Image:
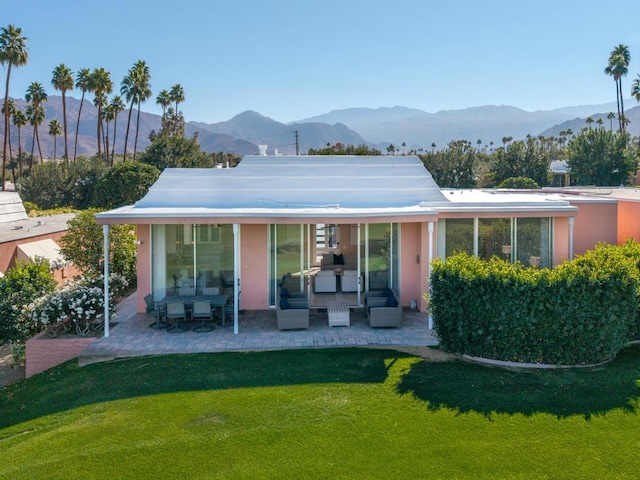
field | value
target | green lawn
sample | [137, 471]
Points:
[326, 413]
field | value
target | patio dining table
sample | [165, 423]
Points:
[216, 301]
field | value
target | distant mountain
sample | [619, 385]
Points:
[419, 129]
[577, 124]
[373, 127]
[240, 135]
[261, 130]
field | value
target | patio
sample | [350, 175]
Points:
[131, 336]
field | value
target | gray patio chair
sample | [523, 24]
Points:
[202, 311]
[176, 312]
[186, 291]
[152, 307]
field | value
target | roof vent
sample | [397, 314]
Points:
[263, 150]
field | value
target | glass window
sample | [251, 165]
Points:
[288, 258]
[193, 256]
[459, 236]
[534, 241]
[494, 238]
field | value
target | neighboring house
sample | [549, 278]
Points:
[560, 171]
[248, 228]
[24, 239]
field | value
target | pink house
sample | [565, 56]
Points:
[339, 225]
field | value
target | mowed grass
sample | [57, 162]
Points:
[330, 413]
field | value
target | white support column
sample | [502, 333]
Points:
[308, 279]
[359, 283]
[301, 280]
[105, 234]
[366, 257]
[431, 225]
[476, 229]
[236, 276]
[571, 223]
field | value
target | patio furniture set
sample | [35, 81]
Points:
[174, 311]
[327, 281]
[382, 307]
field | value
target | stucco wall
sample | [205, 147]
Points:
[412, 286]
[254, 274]
[628, 220]
[8, 256]
[143, 233]
[595, 222]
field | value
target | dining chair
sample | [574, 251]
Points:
[202, 311]
[211, 291]
[186, 291]
[176, 312]
[152, 307]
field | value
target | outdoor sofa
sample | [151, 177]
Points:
[383, 309]
[291, 312]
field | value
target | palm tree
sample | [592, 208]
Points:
[83, 82]
[101, 85]
[117, 106]
[11, 106]
[135, 83]
[13, 52]
[101, 104]
[35, 114]
[610, 117]
[19, 121]
[62, 80]
[36, 96]
[635, 88]
[177, 95]
[143, 95]
[619, 60]
[164, 100]
[55, 129]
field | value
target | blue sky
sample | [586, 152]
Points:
[291, 60]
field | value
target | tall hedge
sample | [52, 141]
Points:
[581, 312]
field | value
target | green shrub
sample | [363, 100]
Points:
[519, 182]
[124, 184]
[20, 286]
[581, 312]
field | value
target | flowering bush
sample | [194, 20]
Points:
[77, 306]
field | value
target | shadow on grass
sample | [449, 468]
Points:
[457, 385]
[68, 386]
[466, 387]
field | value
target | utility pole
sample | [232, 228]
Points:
[297, 144]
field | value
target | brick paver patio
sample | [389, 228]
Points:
[257, 331]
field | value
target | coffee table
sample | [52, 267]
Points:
[338, 313]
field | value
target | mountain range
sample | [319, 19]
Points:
[373, 127]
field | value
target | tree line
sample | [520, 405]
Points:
[135, 89]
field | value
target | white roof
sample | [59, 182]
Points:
[268, 186]
[315, 187]
[47, 249]
[11, 207]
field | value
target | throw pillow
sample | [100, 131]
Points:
[284, 303]
[284, 293]
[392, 301]
[338, 259]
[387, 292]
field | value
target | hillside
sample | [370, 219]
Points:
[374, 127]
[577, 124]
[419, 129]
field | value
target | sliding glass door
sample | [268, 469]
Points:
[289, 251]
[191, 256]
